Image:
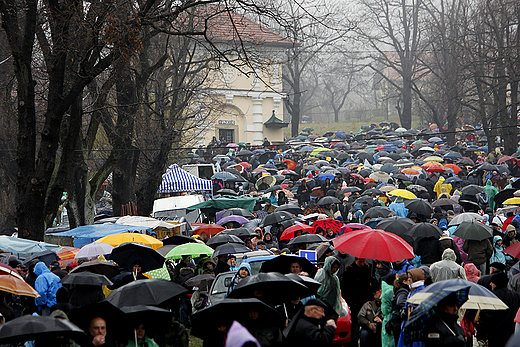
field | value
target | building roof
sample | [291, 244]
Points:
[229, 26]
[274, 122]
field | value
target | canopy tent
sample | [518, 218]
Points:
[90, 233]
[162, 229]
[23, 248]
[177, 180]
[223, 203]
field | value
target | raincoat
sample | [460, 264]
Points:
[472, 273]
[439, 185]
[145, 342]
[498, 255]
[447, 268]
[387, 340]
[47, 284]
[399, 209]
[237, 278]
[330, 286]
[491, 192]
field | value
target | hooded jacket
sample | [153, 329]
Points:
[498, 255]
[472, 273]
[272, 243]
[236, 278]
[46, 284]
[329, 291]
[439, 185]
[491, 192]
[447, 268]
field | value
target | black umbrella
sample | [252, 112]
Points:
[86, 278]
[311, 168]
[128, 253]
[401, 177]
[444, 202]
[419, 206]
[205, 322]
[44, 329]
[504, 195]
[469, 206]
[244, 153]
[46, 256]
[201, 281]
[242, 233]
[272, 287]
[294, 209]
[227, 191]
[372, 191]
[313, 285]
[282, 264]
[378, 212]
[487, 167]
[275, 218]
[350, 190]
[112, 315]
[363, 155]
[424, 230]
[473, 230]
[396, 225]
[472, 189]
[178, 240]
[327, 200]
[307, 238]
[98, 267]
[221, 239]
[152, 292]
[154, 317]
[389, 168]
[238, 212]
[273, 188]
[365, 199]
[230, 248]
[165, 249]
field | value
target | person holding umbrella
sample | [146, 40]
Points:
[141, 338]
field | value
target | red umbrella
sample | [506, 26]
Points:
[374, 244]
[245, 165]
[506, 158]
[327, 223]
[290, 164]
[295, 230]
[435, 169]
[353, 226]
[210, 229]
[513, 250]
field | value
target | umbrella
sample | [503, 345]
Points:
[465, 217]
[444, 202]
[238, 212]
[324, 176]
[469, 206]
[221, 239]
[327, 223]
[380, 176]
[378, 212]
[157, 319]
[413, 329]
[94, 249]
[210, 229]
[424, 230]
[230, 248]
[473, 230]
[12, 282]
[434, 158]
[193, 249]
[503, 195]
[513, 250]
[242, 233]
[397, 225]
[117, 239]
[327, 200]
[86, 278]
[165, 249]
[178, 240]
[201, 281]
[273, 188]
[295, 230]
[307, 238]
[227, 191]
[232, 145]
[282, 264]
[290, 164]
[127, 254]
[350, 190]
[152, 292]
[272, 287]
[67, 256]
[233, 219]
[480, 298]
[270, 180]
[451, 180]
[512, 201]
[472, 189]
[419, 206]
[487, 167]
[374, 244]
[205, 322]
[28, 328]
[294, 209]
[275, 218]
[313, 285]
[403, 193]
[224, 176]
[98, 267]
[456, 169]
[46, 256]
[244, 153]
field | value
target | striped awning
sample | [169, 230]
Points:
[178, 180]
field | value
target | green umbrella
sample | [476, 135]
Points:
[193, 249]
[473, 230]
[161, 273]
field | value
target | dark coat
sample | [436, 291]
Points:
[221, 267]
[478, 251]
[309, 333]
[497, 326]
[442, 330]
[428, 248]
[357, 287]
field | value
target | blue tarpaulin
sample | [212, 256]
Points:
[22, 247]
[90, 233]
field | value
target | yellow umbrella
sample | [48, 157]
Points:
[403, 193]
[512, 201]
[434, 158]
[117, 239]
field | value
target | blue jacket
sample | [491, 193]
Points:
[47, 284]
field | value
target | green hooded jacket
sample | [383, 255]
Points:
[491, 192]
[330, 287]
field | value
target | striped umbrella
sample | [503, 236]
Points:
[67, 256]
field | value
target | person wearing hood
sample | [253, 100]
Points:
[439, 185]
[387, 293]
[383, 268]
[498, 252]
[398, 207]
[243, 271]
[446, 242]
[329, 292]
[447, 268]
[46, 284]
[269, 241]
[472, 273]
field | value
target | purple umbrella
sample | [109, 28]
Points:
[231, 145]
[219, 215]
[237, 219]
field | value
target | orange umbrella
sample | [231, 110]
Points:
[210, 229]
[12, 282]
[430, 164]
[410, 171]
[290, 164]
[454, 167]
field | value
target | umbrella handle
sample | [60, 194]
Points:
[285, 309]
[135, 336]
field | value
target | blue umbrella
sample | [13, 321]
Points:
[340, 144]
[483, 149]
[324, 176]
[453, 180]
[390, 148]
[413, 329]
[340, 134]
[452, 155]
[306, 149]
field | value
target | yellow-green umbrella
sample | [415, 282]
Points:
[318, 150]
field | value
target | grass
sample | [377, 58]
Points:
[194, 341]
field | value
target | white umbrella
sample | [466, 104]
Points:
[93, 250]
[465, 217]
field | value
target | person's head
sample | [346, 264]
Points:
[140, 331]
[264, 180]
[267, 237]
[415, 275]
[98, 326]
[15, 264]
[496, 267]
[204, 236]
[261, 244]
[137, 267]
[330, 231]
[295, 267]
[449, 305]
[359, 262]
[232, 260]
[315, 308]
[223, 258]
[499, 280]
